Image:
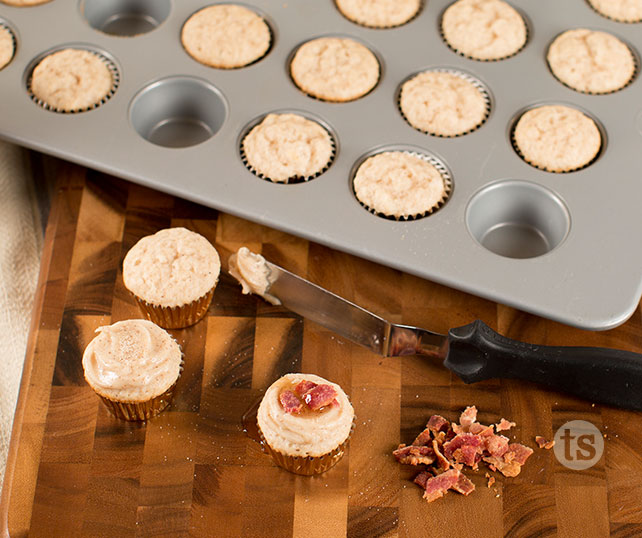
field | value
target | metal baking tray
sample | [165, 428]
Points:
[587, 223]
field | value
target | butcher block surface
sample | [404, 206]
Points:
[74, 470]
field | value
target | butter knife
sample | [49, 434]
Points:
[474, 352]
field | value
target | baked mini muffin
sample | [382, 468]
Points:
[400, 184]
[591, 61]
[443, 103]
[7, 45]
[287, 147]
[557, 138]
[335, 69]
[72, 80]
[226, 36]
[305, 422]
[172, 274]
[483, 29]
[619, 10]
[379, 13]
[133, 366]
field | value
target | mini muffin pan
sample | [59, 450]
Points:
[563, 246]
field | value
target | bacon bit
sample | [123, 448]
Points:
[303, 387]
[319, 396]
[424, 438]
[436, 486]
[291, 404]
[437, 423]
[543, 443]
[468, 416]
[464, 485]
[443, 462]
[504, 424]
[491, 480]
[455, 446]
[414, 455]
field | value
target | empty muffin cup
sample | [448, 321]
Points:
[125, 17]
[178, 112]
[517, 219]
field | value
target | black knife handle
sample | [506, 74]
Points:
[600, 375]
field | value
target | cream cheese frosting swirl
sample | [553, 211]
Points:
[252, 272]
[132, 360]
[311, 434]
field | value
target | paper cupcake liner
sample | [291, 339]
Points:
[457, 51]
[307, 465]
[14, 42]
[422, 4]
[293, 179]
[176, 317]
[115, 77]
[465, 76]
[445, 175]
[545, 169]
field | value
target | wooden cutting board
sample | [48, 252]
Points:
[75, 471]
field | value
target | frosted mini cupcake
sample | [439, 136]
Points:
[172, 274]
[133, 366]
[305, 422]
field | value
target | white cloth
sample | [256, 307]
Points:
[20, 247]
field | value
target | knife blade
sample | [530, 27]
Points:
[474, 352]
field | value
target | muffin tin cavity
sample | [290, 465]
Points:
[125, 17]
[517, 219]
[178, 112]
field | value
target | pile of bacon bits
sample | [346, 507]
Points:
[446, 448]
[308, 395]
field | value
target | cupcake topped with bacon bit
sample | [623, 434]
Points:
[305, 422]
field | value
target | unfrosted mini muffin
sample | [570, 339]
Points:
[619, 10]
[443, 103]
[7, 45]
[287, 147]
[172, 274]
[305, 423]
[335, 69]
[226, 36]
[133, 366]
[400, 184]
[557, 138]
[72, 80]
[379, 13]
[483, 29]
[591, 61]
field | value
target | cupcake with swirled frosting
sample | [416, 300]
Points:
[305, 423]
[133, 366]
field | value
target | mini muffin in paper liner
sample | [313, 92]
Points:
[109, 63]
[176, 317]
[307, 465]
